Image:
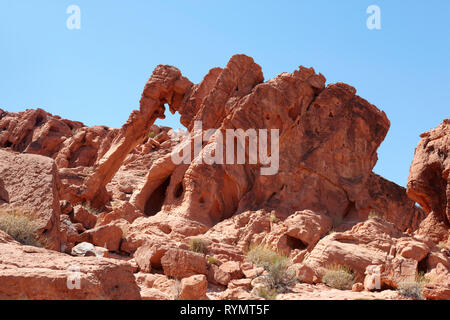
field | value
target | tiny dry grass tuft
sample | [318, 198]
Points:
[212, 260]
[266, 293]
[376, 215]
[151, 134]
[20, 225]
[176, 290]
[198, 245]
[279, 276]
[338, 277]
[413, 289]
[90, 209]
[273, 218]
[442, 245]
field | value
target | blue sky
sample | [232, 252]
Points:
[96, 74]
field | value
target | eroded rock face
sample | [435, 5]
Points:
[29, 184]
[428, 181]
[121, 191]
[35, 273]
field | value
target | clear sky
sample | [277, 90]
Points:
[96, 74]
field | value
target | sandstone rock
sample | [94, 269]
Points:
[108, 237]
[39, 274]
[307, 226]
[180, 263]
[358, 287]
[83, 216]
[238, 294]
[30, 182]
[233, 268]
[86, 249]
[218, 276]
[193, 288]
[428, 181]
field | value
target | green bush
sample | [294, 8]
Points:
[21, 226]
[338, 277]
[198, 245]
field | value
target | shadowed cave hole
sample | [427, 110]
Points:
[295, 243]
[156, 200]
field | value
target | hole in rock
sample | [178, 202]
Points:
[178, 190]
[8, 144]
[155, 201]
[422, 265]
[295, 243]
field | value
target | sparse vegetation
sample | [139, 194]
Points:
[198, 245]
[151, 135]
[90, 209]
[176, 289]
[20, 225]
[442, 245]
[338, 277]
[376, 215]
[266, 293]
[212, 260]
[273, 218]
[411, 290]
[278, 277]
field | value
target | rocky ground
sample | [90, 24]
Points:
[116, 218]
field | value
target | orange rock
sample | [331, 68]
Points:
[108, 237]
[180, 263]
[39, 274]
[30, 183]
[193, 288]
[83, 216]
[428, 181]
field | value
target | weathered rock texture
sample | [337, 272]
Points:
[117, 193]
[429, 180]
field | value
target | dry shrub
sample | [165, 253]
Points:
[266, 293]
[20, 224]
[198, 245]
[338, 277]
[279, 276]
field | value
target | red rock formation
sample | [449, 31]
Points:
[35, 273]
[122, 192]
[429, 180]
[29, 183]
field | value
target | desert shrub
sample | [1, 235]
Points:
[376, 215]
[338, 277]
[198, 245]
[151, 135]
[266, 293]
[411, 290]
[212, 260]
[21, 226]
[278, 276]
[273, 218]
[176, 289]
[442, 245]
[90, 209]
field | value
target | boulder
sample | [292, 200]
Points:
[193, 288]
[31, 184]
[181, 263]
